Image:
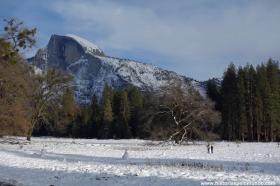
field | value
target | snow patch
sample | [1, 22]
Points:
[61, 161]
[87, 45]
[37, 70]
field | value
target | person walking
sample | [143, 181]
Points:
[208, 148]
[212, 149]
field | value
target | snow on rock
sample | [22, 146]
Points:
[138, 74]
[201, 89]
[97, 162]
[92, 69]
[87, 45]
[37, 70]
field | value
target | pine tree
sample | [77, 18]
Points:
[259, 94]
[229, 106]
[273, 79]
[105, 130]
[214, 93]
[249, 97]
[262, 107]
[241, 109]
[125, 116]
[117, 115]
[121, 110]
[69, 111]
[136, 105]
[95, 116]
[108, 93]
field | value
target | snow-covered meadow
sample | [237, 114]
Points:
[60, 161]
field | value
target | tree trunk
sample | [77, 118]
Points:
[29, 133]
[28, 138]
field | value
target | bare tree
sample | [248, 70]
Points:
[47, 94]
[190, 114]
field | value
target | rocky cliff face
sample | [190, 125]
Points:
[91, 68]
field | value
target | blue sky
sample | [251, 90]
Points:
[196, 38]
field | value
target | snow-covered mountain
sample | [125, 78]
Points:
[91, 68]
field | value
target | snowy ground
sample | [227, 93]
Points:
[53, 161]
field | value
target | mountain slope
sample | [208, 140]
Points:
[91, 68]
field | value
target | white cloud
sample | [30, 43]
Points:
[247, 32]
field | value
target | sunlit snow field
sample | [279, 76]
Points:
[59, 161]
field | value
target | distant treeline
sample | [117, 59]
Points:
[116, 115]
[249, 101]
